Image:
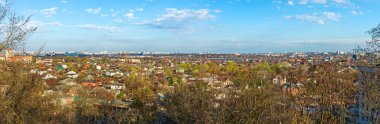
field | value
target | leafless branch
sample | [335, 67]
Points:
[14, 29]
[374, 43]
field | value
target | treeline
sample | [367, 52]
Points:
[313, 94]
[327, 93]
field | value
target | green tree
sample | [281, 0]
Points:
[185, 66]
[231, 67]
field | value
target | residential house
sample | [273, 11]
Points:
[49, 76]
[72, 74]
[115, 86]
[34, 71]
[134, 60]
[89, 84]
[180, 70]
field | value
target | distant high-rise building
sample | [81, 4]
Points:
[340, 52]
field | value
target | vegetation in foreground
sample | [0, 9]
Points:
[313, 93]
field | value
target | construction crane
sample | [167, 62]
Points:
[40, 50]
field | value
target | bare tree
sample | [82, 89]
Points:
[14, 29]
[374, 44]
[24, 98]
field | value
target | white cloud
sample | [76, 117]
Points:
[63, 1]
[179, 19]
[277, 1]
[94, 10]
[332, 16]
[310, 18]
[139, 9]
[43, 26]
[100, 28]
[104, 15]
[49, 12]
[317, 18]
[136, 10]
[118, 20]
[115, 13]
[218, 11]
[290, 3]
[130, 15]
[354, 12]
[304, 2]
[357, 12]
[320, 1]
[185, 15]
[52, 24]
[341, 1]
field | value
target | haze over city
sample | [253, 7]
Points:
[224, 26]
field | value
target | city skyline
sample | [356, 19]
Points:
[199, 25]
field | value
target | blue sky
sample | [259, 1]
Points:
[199, 25]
